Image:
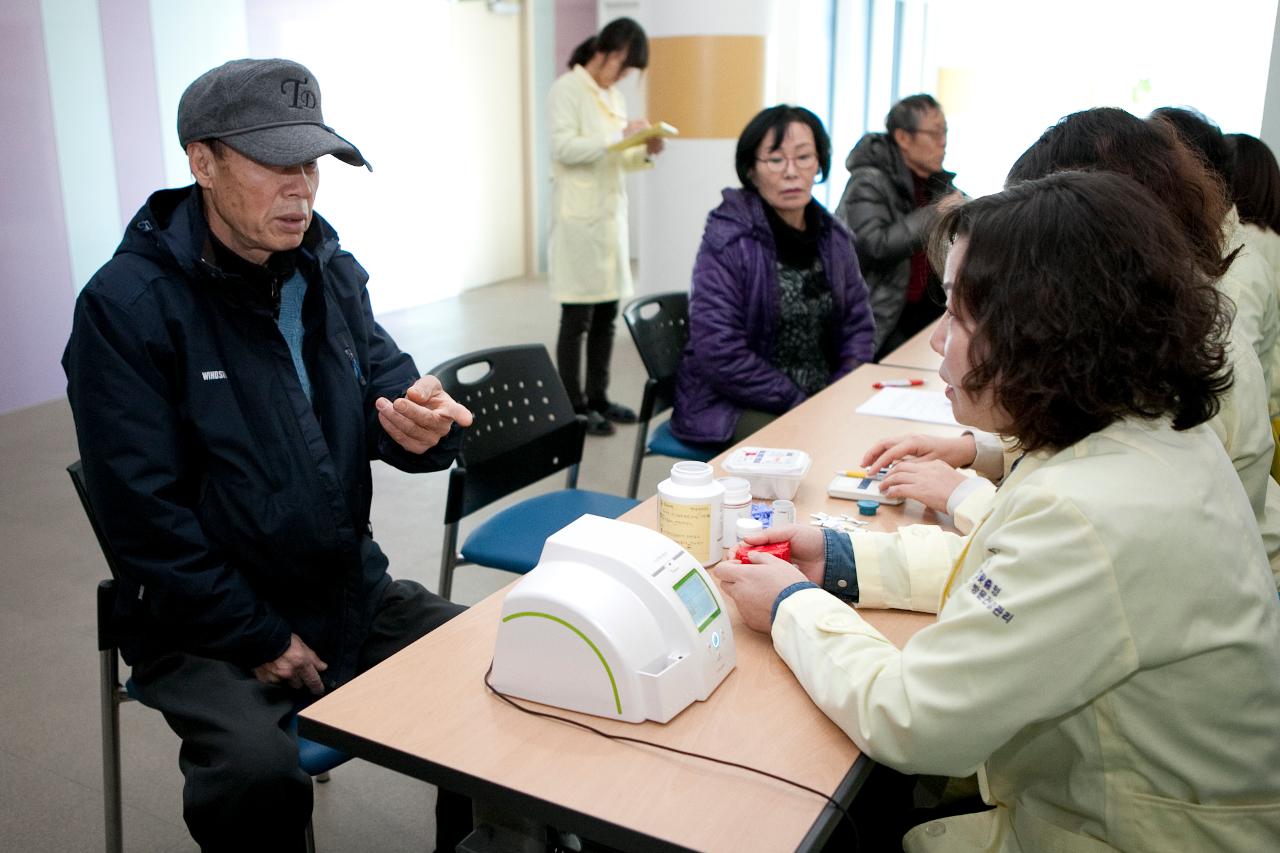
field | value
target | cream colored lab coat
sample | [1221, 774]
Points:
[1106, 657]
[1252, 285]
[1266, 242]
[1240, 425]
[589, 256]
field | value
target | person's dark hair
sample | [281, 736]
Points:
[1086, 307]
[619, 34]
[775, 120]
[1255, 181]
[906, 114]
[1151, 153]
[1202, 136]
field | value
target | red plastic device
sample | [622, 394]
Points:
[781, 550]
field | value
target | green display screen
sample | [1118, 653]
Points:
[697, 598]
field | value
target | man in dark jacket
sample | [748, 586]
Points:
[897, 188]
[230, 387]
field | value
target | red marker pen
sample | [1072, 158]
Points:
[898, 383]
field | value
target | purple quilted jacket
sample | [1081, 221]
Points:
[733, 311]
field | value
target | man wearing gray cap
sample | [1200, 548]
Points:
[230, 387]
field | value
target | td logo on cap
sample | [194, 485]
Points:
[266, 109]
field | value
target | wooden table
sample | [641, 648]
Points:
[426, 712]
[916, 352]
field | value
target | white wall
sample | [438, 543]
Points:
[1271, 111]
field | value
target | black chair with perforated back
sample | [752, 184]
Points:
[659, 325]
[525, 429]
[315, 759]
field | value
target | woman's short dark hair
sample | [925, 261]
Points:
[906, 114]
[1202, 136]
[1152, 154]
[1086, 308]
[1255, 181]
[777, 120]
[618, 34]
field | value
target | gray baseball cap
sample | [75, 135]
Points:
[267, 109]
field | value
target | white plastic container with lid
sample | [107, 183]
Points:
[690, 510]
[747, 526]
[737, 504]
[773, 472]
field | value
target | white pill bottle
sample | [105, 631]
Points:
[690, 507]
[737, 504]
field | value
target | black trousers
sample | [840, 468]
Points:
[244, 789]
[594, 321]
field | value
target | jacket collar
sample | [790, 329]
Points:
[879, 151]
[742, 212]
[171, 228]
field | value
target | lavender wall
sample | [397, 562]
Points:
[36, 292]
[575, 21]
[134, 105]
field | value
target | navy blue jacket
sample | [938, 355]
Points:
[238, 509]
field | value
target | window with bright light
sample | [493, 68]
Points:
[1004, 70]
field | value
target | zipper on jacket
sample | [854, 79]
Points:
[355, 365]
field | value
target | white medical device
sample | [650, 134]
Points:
[616, 620]
[859, 489]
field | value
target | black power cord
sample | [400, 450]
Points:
[624, 738]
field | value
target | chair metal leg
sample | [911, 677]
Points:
[109, 692]
[571, 479]
[310, 836]
[448, 559]
[637, 458]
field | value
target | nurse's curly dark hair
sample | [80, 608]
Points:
[1150, 152]
[1086, 306]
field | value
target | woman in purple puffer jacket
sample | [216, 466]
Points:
[777, 309]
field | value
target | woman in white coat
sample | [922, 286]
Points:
[589, 257]
[1107, 651]
[1255, 187]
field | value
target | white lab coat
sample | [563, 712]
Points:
[1106, 657]
[1266, 242]
[1241, 425]
[1252, 285]
[589, 256]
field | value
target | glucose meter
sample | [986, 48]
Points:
[616, 620]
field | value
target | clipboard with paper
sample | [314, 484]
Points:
[657, 129]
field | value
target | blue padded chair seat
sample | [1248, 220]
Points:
[512, 540]
[314, 758]
[662, 442]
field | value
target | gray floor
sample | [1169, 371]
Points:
[50, 743]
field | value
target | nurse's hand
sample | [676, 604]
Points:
[633, 127]
[930, 482]
[755, 586]
[808, 547]
[958, 452]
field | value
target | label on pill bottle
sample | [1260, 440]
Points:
[689, 525]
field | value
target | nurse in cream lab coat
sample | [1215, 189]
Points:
[1107, 651]
[589, 258]
[930, 475]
